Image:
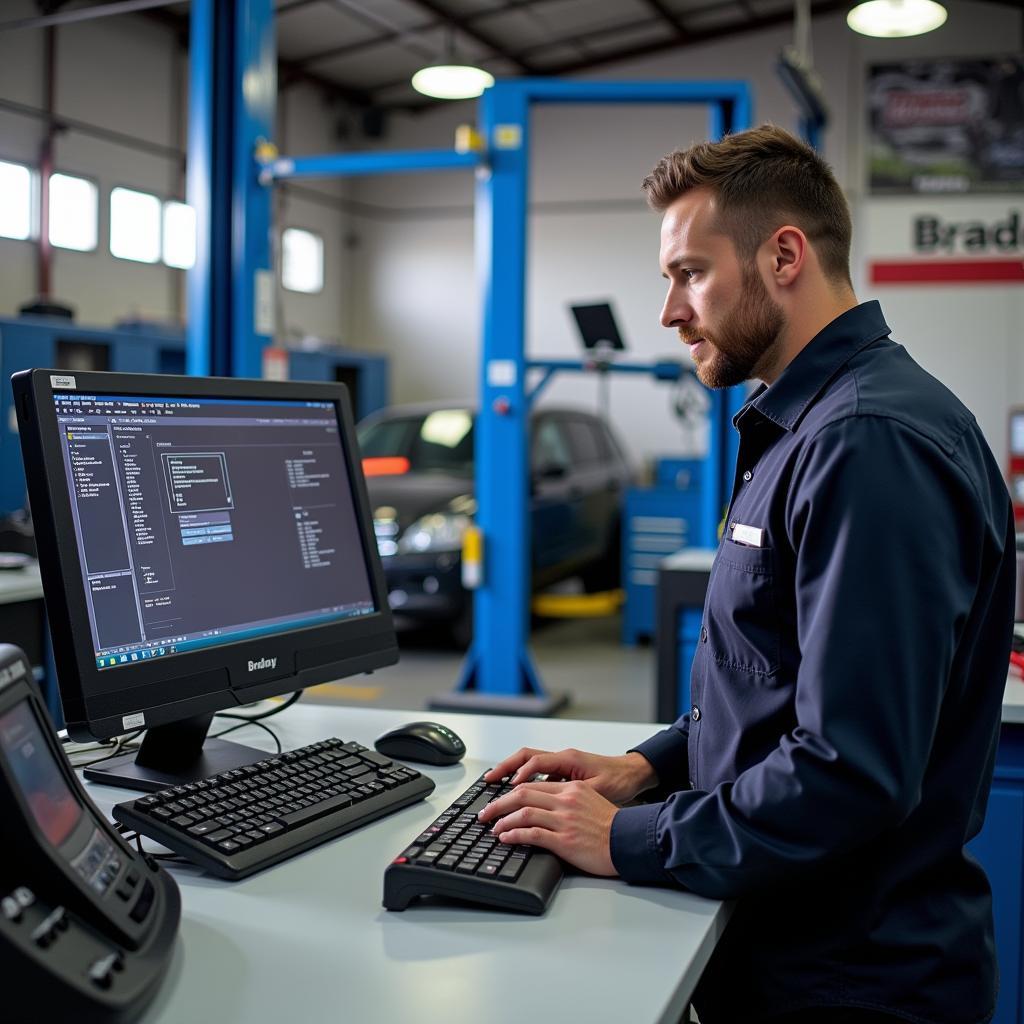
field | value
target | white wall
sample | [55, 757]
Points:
[305, 126]
[127, 74]
[590, 235]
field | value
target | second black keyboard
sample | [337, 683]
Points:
[248, 818]
[458, 858]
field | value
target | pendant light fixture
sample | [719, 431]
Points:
[449, 79]
[891, 19]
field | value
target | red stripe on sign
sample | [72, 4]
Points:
[934, 271]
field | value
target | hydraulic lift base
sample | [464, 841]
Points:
[528, 705]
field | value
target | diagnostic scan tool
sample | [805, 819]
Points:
[87, 925]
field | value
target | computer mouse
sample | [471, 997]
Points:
[426, 742]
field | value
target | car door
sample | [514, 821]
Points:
[595, 486]
[554, 500]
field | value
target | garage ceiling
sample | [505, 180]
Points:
[374, 46]
[365, 51]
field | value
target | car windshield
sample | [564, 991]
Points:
[434, 442]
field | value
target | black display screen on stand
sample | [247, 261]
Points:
[203, 543]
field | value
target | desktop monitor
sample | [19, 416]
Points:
[203, 543]
[597, 327]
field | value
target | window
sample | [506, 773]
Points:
[302, 260]
[134, 225]
[15, 201]
[550, 453]
[583, 442]
[74, 210]
[179, 244]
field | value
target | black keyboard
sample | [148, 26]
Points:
[248, 818]
[459, 858]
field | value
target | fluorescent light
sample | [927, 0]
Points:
[451, 81]
[893, 18]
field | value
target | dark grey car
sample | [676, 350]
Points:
[419, 466]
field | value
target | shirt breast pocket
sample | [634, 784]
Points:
[743, 616]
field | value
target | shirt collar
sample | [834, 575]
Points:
[816, 364]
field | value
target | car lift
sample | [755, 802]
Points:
[232, 165]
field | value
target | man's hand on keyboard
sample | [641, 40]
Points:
[618, 779]
[571, 819]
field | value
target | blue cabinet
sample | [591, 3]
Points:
[657, 521]
[999, 848]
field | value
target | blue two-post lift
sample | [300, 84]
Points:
[232, 166]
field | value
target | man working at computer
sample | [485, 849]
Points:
[847, 687]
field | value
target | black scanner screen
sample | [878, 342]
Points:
[31, 761]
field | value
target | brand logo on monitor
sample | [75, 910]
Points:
[255, 666]
[62, 382]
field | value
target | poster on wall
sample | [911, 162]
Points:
[946, 126]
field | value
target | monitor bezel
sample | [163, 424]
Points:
[216, 678]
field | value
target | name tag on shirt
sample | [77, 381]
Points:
[752, 536]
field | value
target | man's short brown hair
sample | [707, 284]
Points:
[762, 178]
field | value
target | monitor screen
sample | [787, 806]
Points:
[203, 521]
[50, 801]
[597, 327]
[203, 543]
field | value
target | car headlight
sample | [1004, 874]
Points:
[439, 531]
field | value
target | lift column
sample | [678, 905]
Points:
[498, 674]
[232, 96]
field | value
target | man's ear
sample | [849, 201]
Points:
[789, 250]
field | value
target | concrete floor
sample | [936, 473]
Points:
[584, 657]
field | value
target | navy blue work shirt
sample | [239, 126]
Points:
[846, 698]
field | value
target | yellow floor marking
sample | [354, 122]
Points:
[347, 691]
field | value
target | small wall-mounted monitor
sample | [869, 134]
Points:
[1017, 432]
[203, 543]
[597, 327]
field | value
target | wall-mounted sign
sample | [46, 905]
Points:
[945, 240]
[946, 126]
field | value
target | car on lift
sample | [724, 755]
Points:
[419, 468]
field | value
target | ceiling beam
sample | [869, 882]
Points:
[358, 10]
[391, 35]
[668, 17]
[466, 27]
[90, 13]
[593, 34]
[288, 72]
[348, 49]
[694, 38]
[293, 5]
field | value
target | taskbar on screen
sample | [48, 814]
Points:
[115, 658]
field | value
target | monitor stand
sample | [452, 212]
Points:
[173, 754]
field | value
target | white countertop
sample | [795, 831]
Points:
[308, 940]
